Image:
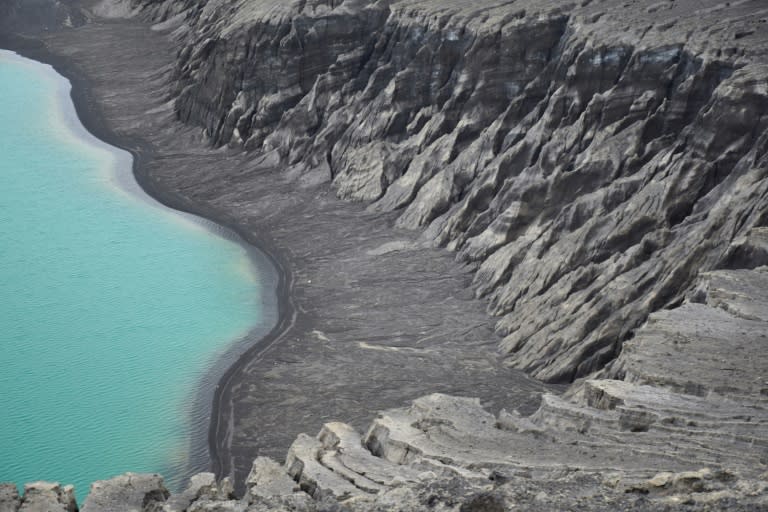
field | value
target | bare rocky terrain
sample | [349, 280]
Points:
[587, 178]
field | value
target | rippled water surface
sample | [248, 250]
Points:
[112, 307]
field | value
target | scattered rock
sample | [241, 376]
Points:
[202, 484]
[268, 478]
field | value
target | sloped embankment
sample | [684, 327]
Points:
[589, 159]
[593, 161]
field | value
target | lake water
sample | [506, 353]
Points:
[112, 307]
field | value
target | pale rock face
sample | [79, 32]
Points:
[200, 485]
[267, 478]
[126, 493]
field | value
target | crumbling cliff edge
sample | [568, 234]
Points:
[599, 168]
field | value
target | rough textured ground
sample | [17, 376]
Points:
[598, 169]
[586, 159]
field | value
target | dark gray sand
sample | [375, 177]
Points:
[368, 318]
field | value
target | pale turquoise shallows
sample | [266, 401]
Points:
[112, 308]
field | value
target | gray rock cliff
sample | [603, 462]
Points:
[589, 160]
[601, 165]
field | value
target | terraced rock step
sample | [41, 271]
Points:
[599, 168]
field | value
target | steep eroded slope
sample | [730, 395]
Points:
[590, 159]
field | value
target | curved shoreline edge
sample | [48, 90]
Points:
[93, 120]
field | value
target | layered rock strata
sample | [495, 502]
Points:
[587, 159]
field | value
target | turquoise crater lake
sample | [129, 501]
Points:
[114, 307]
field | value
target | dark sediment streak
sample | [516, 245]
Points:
[273, 270]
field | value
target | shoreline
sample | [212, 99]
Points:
[259, 251]
[380, 317]
[370, 318]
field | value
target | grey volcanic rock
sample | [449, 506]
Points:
[267, 479]
[43, 497]
[588, 160]
[9, 498]
[127, 493]
[200, 485]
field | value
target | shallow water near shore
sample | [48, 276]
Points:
[113, 307]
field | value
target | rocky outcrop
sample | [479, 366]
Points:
[126, 493]
[38, 497]
[589, 160]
